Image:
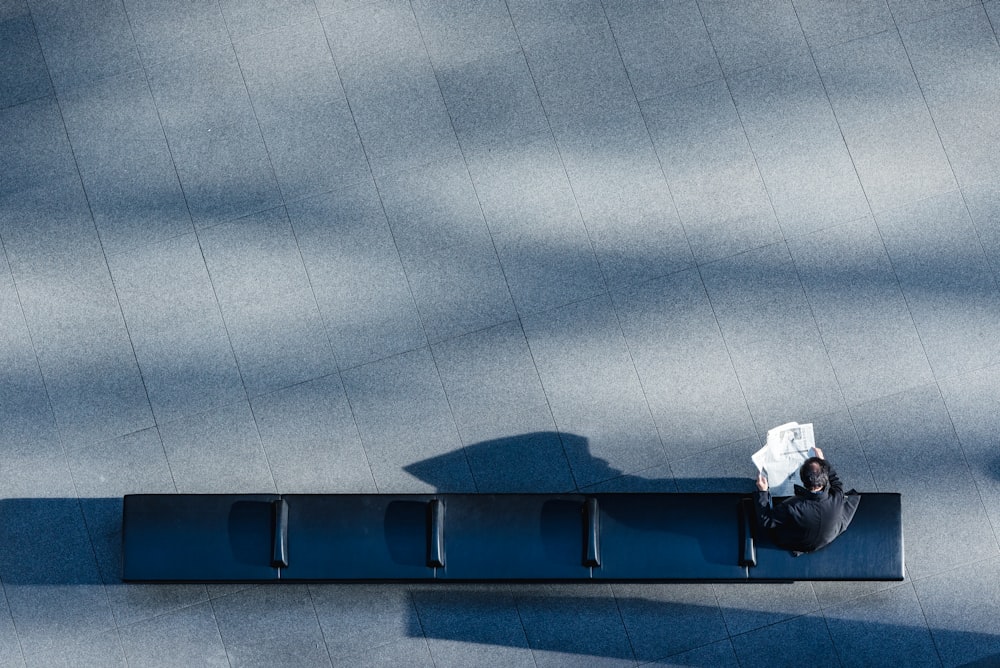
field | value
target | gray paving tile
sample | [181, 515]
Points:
[772, 645]
[862, 315]
[884, 629]
[10, 647]
[29, 430]
[271, 625]
[267, 301]
[43, 208]
[83, 349]
[213, 135]
[565, 623]
[167, 30]
[101, 649]
[830, 23]
[394, 95]
[983, 201]
[102, 473]
[619, 186]
[84, 41]
[962, 608]
[409, 652]
[593, 390]
[537, 21]
[176, 328]
[832, 593]
[125, 164]
[465, 32]
[957, 59]
[911, 446]
[950, 290]
[971, 400]
[218, 452]
[683, 363]
[711, 171]
[751, 33]
[717, 655]
[251, 18]
[356, 275]
[297, 97]
[359, 618]
[50, 576]
[882, 114]
[578, 73]
[484, 78]
[311, 441]
[541, 240]
[446, 250]
[658, 478]
[749, 606]
[837, 436]
[406, 425]
[190, 635]
[727, 468]
[23, 74]
[798, 146]
[667, 619]
[502, 413]
[492, 99]
[749, 291]
[665, 46]
[909, 11]
[472, 625]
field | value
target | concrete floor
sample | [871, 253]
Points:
[399, 246]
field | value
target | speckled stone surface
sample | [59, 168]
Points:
[495, 246]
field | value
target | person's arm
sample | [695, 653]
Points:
[767, 516]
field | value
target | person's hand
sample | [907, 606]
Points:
[762, 482]
[819, 452]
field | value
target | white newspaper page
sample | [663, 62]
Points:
[787, 448]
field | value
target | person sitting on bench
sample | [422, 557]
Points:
[818, 513]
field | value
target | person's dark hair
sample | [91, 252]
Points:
[815, 473]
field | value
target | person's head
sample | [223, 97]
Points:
[815, 474]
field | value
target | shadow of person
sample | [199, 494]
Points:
[551, 462]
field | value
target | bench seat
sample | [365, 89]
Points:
[487, 537]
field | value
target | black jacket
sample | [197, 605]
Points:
[809, 520]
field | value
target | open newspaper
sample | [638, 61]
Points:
[787, 448]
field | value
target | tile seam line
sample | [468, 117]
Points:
[614, 305]
[38, 364]
[194, 230]
[298, 252]
[520, 620]
[135, 359]
[559, 151]
[281, 191]
[930, 113]
[871, 214]
[319, 624]
[399, 258]
[374, 182]
[48, 401]
[208, 270]
[482, 216]
[218, 629]
[411, 596]
[937, 385]
[699, 265]
[549, 136]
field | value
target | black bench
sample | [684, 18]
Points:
[483, 537]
